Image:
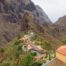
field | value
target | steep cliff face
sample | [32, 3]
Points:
[11, 17]
[8, 31]
[43, 18]
[61, 24]
[13, 10]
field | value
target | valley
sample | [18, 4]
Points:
[19, 18]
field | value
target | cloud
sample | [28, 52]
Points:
[53, 8]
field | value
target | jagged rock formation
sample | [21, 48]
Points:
[11, 17]
[61, 25]
[13, 10]
[43, 18]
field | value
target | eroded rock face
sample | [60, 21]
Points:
[61, 23]
[43, 18]
[14, 9]
[11, 17]
[26, 2]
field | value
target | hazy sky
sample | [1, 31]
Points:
[53, 8]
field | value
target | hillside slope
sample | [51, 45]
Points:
[11, 17]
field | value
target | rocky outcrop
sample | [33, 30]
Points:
[43, 18]
[61, 21]
[12, 21]
[13, 10]
[61, 24]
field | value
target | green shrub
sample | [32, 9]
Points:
[17, 42]
[2, 50]
[6, 64]
[33, 53]
[64, 41]
[47, 46]
[18, 50]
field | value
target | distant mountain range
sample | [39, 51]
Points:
[14, 19]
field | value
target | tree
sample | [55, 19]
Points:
[27, 60]
[47, 46]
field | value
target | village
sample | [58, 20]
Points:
[58, 60]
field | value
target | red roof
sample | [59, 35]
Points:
[62, 50]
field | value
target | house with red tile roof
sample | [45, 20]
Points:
[60, 59]
[61, 53]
